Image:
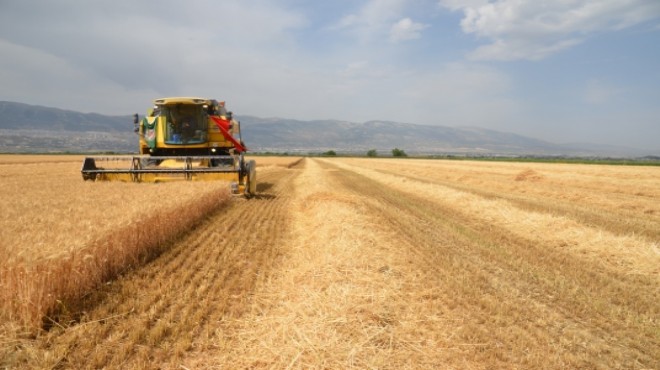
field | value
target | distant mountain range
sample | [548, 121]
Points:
[35, 129]
[31, 128]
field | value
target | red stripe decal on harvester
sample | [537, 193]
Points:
[223, 125]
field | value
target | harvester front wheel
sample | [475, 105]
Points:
[251, 181]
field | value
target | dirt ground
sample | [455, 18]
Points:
[392, 264]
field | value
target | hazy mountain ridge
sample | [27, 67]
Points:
[20, 116]
[30, 128]
[277, 134]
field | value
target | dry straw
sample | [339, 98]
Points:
[618, 250]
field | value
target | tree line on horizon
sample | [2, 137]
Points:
[396, 152]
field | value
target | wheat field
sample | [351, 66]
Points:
[361, 263]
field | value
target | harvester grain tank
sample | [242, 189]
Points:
[182, 138]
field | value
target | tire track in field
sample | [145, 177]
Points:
[154, 315]
[508, 285]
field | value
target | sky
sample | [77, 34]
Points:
[564, 71]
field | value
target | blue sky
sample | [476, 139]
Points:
[564, 71]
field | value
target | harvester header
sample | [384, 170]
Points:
[182, 138]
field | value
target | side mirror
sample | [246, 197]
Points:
[229, 115]
[136, 120]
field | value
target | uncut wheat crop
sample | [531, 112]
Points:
[60, 235]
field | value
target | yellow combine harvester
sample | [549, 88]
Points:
[182, 139]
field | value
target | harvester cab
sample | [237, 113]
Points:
[191, 139]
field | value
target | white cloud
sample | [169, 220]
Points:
[514, 49]
[35, 77]
[460, 94]
[130, 53]
[527, 29]
[462, 4]
[406, 29]
[373, 20]
[347, 21]
[599, 92]
[355, 68]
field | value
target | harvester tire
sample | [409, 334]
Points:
[251, 182]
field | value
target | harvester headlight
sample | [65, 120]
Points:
[212, 150]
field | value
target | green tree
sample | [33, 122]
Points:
[330, 153]
[372, 153]
[396, 152]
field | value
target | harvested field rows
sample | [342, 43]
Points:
[393, 264]
[617, 198]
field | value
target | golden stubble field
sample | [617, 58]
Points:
[352, 263]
